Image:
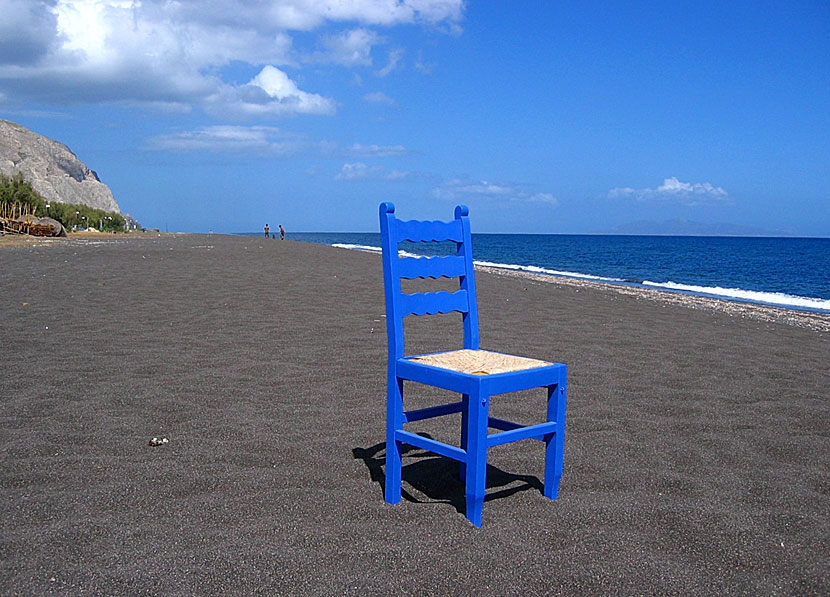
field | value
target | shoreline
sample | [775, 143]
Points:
[25, 240]
[811, 319]
[766, 313]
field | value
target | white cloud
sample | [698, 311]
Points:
[459, 188]
[376, 151]
[544, 198]
[27, 31]
[160, 52]
[674, 186]
[231, 139]
[280, 95]
[270, 93]
[350, 48]
[399, 174]
[378, 97]
[308, 14]
[673, 189]
[394, 58]
[360, 170]
[271, 140]
[357, 170]
[421, 66]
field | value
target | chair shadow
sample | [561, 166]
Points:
[438, 477]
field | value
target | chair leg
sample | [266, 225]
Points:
[555, 442]
[465, 417]
[476, 473]
[394, 421]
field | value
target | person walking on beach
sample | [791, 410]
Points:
[282, 232]
[266, 230]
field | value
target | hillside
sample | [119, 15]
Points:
[52, 168]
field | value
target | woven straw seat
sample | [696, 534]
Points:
[479, 362]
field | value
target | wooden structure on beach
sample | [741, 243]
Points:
[16, 218]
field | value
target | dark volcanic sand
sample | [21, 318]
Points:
[696, 453]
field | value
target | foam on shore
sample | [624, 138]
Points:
[769, 306]
[768, 298]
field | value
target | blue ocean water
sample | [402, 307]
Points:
[788, 272]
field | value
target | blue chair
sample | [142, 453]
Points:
[475, 374]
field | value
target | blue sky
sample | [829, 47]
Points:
[545, 117]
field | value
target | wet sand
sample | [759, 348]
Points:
[696, 450]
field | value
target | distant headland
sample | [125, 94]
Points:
[684, 227]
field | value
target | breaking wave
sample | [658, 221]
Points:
[535, 269]
[780, 299]
[769, 298]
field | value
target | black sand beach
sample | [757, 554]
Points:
[696, 452]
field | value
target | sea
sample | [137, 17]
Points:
[793, 273]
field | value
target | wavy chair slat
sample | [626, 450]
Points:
[418, 231]
[452, 266]
[432, 303]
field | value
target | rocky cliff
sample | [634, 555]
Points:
[51, 168]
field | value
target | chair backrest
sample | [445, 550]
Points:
[397, 268]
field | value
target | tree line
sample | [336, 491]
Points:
[16, 190]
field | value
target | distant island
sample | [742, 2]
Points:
[684, 227]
